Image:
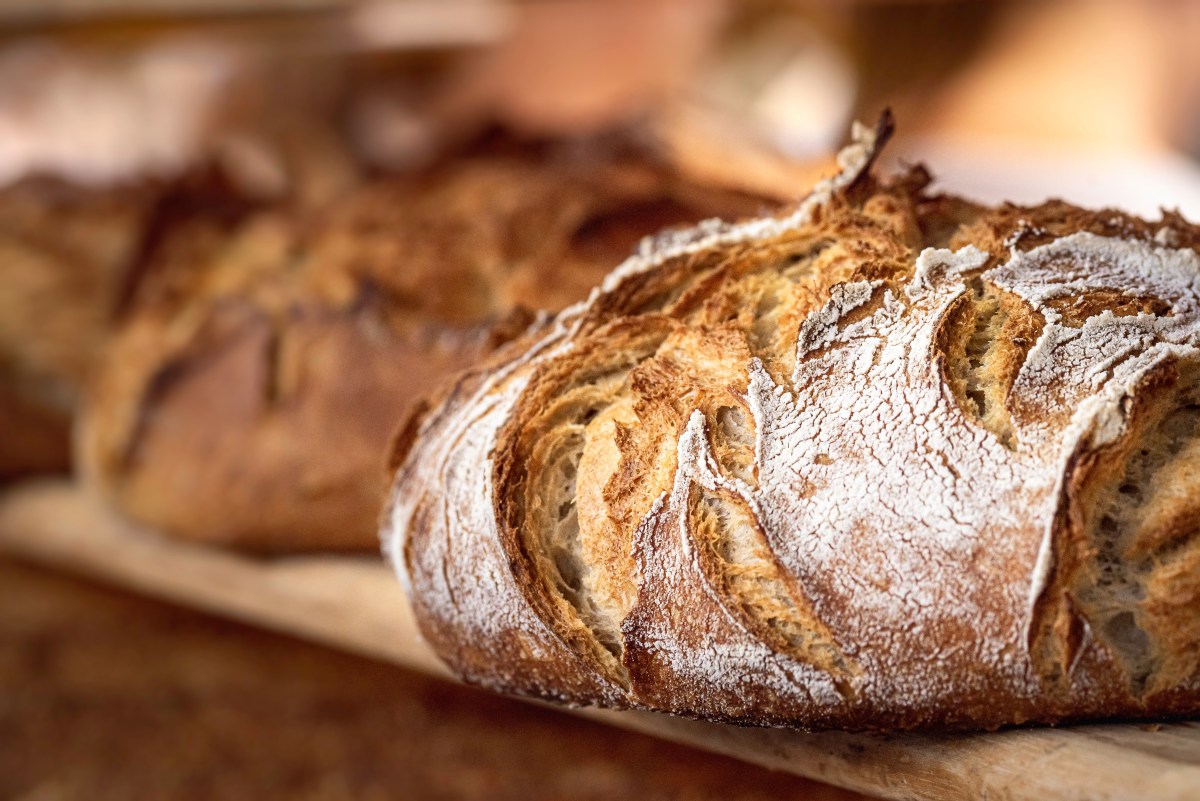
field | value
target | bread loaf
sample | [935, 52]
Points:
[248, 401]
[893, 460]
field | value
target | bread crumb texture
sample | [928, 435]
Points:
[893, 460]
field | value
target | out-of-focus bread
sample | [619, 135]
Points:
[249, 398]
[66, 253]
[891, 461]
[74, 257]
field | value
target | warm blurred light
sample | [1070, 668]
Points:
[106, 118]
[412, 77]
[388, 24]
[1091, 73]
[787, 76]
[579, 65]
[808, 104]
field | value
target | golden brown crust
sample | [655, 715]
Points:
[868, 466]
[249, 398]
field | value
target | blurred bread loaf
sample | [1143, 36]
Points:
[74, 259]
[103, 151]
[892, 460]
[66, 259]
[249, 398]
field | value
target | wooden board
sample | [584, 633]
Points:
[356, 604]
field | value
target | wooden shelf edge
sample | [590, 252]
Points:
[355, 604]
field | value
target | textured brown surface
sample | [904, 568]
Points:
[65, 255]
[72, 259]
[249, 398]
[105, 695]
[894, 461]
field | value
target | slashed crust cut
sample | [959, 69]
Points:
[250, 397]
[891, 461]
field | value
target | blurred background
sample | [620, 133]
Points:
[104, 92]
[119, 118]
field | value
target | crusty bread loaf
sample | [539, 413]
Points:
[892, 461]
[249, 399]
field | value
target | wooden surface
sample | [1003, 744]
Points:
[355, 604]
[110, 695]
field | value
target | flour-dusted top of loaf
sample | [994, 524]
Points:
[892, 460]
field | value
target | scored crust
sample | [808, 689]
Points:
[892, 461]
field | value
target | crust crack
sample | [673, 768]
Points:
[986, 339]
[763, 594]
